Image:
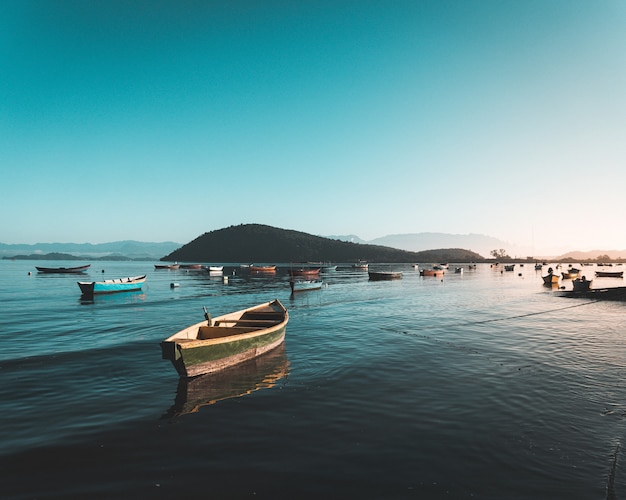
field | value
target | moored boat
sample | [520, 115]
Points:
[262, 269]
[191, 266]
[581, 284]
[385, 275]
[436, 270]
[215, 269]
[89, 288]
[303, 271]
[607, 293]
[610, 274]
[305, 285]
[361, 265]
[550, 278]
[509, 267]
[63, 270]
[172, 267]
[215, 344]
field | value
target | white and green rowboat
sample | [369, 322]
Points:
[215, 344]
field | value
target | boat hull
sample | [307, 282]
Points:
[192, 354]
[614, 293]
[304, 272]
[610, 274]
[305, 285]
[431, 272]
[549, 279]
[111, 286]
[63, 270]
[384, 275]
[263, 269]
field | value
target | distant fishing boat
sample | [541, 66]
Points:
[89, 288]
[63, 270]
[215, 344]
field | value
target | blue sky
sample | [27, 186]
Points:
[161, 120]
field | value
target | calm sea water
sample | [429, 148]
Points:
[484, 384]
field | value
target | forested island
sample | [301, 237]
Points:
[261, 243]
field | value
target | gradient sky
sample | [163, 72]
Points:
[161, 120]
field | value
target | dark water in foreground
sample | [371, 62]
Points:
[483, 385]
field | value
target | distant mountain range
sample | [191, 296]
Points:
[417, 242]
[411, 242]
[479, 243]
[131, 249]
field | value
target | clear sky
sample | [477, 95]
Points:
[161, 120]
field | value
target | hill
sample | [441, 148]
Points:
[261, 243]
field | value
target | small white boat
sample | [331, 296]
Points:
[305, 285]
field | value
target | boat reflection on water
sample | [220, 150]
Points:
[240, 380]
[114, 298]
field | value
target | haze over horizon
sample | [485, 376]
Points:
[162, 121]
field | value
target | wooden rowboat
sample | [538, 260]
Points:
[385, 275]
[215, 344]
[304, 271]
[610, 274]
[63, 270]
[90, 288]
[167, 266]
[609, 293]
[432, 272]
[550, 278]
[262, 269]
[581, 284]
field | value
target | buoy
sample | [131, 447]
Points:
[174, 285]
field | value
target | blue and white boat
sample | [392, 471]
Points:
[112, 286]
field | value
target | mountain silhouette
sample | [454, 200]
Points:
[261, 243]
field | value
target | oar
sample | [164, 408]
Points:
[207, 316]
